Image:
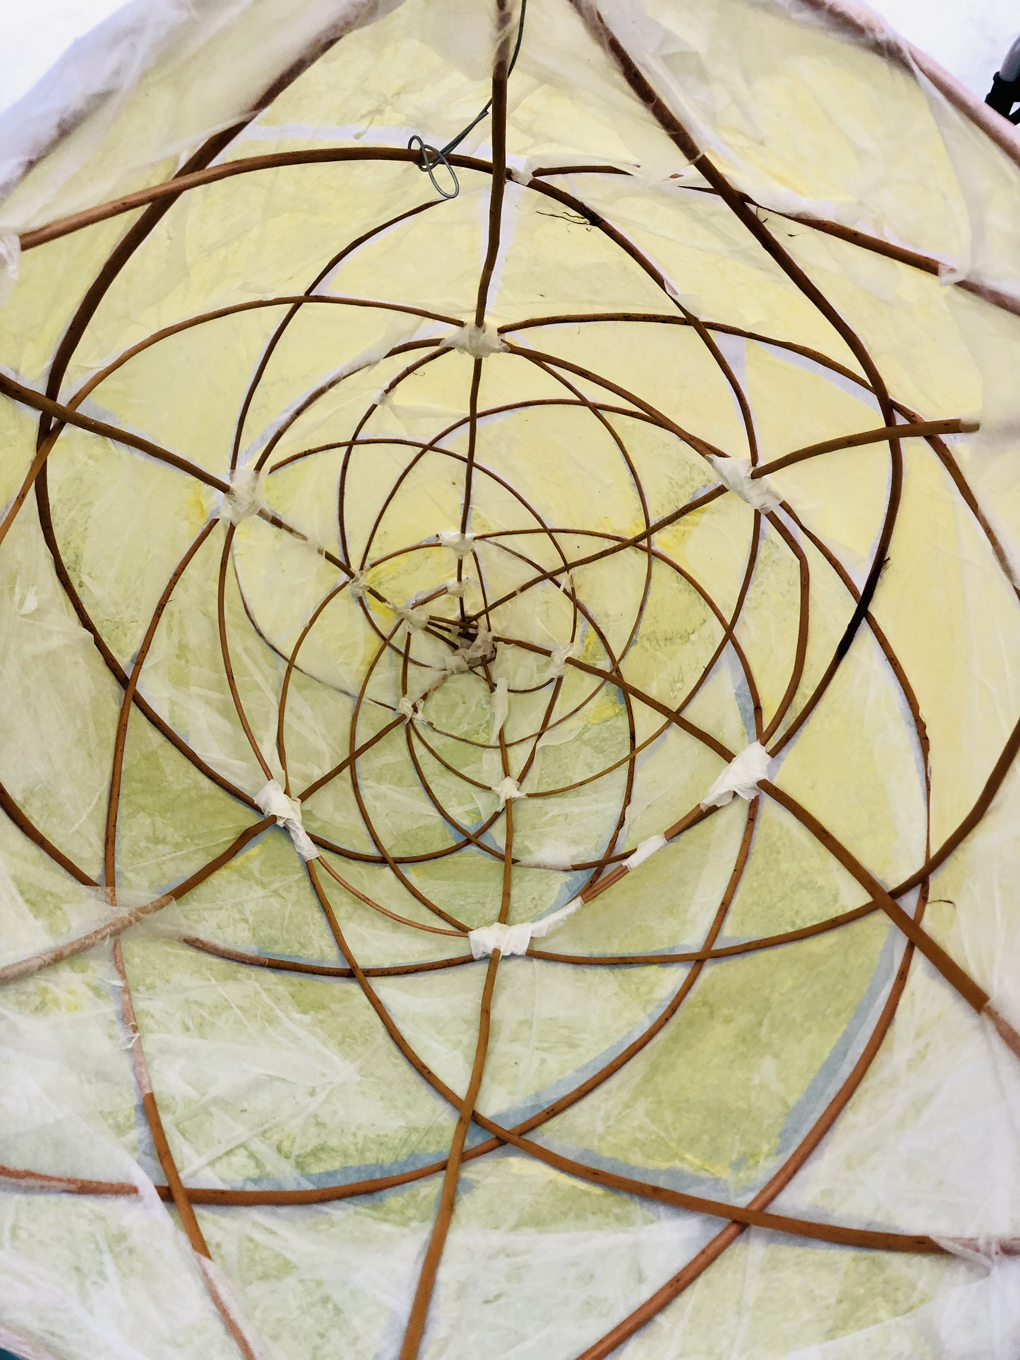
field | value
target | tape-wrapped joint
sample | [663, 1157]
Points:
[645, 850]
[516, 939]
[740, 777]
[461, 544]
[478, 341]
[244, 498]
[506, 790]
[735, 475]
[287, 811]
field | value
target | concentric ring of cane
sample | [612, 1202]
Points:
[463, 624]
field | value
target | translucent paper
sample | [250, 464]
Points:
[491, 531]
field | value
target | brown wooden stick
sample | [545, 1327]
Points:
[915, 430]
[182, 1204]
[956, 976]
[447, 1196]
[68, 1185]
[714, 1249]
[864, 615]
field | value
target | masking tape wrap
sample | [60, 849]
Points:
[735, 474]
[478, 341]
[741, 777]
[644, 851]
[506, 790]
[515, 939]
[287, 811]
[462, 544]
[244, 497]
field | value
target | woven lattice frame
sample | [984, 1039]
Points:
[452, 625]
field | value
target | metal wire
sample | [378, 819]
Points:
[429, 159]
[432, 156]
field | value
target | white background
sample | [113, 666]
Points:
[968, 37]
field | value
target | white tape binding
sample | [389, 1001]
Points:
[464, 658]
[507, 939]
[482, 648]
[458, 588]
[741, 777]
[518, 168]
[461, 544]
[735, 474]
[507, 789]
[561, 655]
[515, 939]
[644, 851]
[243, 498]
[555, 919]
[478, 341]
[414, 621]
[287, 811]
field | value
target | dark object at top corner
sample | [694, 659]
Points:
[1002, 96]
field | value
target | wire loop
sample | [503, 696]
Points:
[431, 156]
[428, 160]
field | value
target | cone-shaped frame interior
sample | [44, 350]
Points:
[511, 669]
